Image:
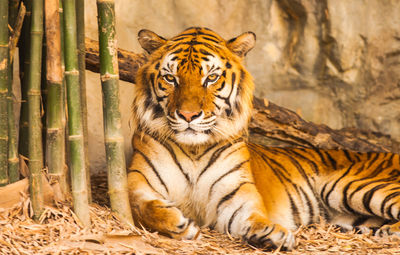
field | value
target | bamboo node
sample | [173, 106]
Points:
[13, 160]
[109, 76]
[72, 72]
[34, 92]
[75, 137]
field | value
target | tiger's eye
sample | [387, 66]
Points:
[212, 78]
[169, 78]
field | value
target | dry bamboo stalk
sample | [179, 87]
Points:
[4, 66]
[34, 105]
[55, 142]
[76, 142]
[114, 141]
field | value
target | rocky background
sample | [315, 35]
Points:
[335, 62]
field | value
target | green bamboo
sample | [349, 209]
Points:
[117, 181]
[24, 56]
[55, 132]
[34, 104]
[15, 20]
[80, 20]
[4, 37]
[76, 142]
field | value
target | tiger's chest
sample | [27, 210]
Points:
[192, 178]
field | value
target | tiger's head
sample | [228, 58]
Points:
[193, 88]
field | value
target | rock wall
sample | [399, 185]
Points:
[332, 61]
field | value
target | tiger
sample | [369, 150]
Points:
[193, 166]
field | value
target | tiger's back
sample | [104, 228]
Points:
[337, 185]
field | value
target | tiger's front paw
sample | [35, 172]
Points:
[167, 219]
[268, 235]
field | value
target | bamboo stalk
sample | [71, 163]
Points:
[117, 182]
[76, 142]
[80, 20]
[34, 104]
[63, 92]
[24, 56]
[15, 18]
[55, 142]
[13, 159]
[4, 66]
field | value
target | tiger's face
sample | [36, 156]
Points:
[194, 88]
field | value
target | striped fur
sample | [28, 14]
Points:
[192, 165]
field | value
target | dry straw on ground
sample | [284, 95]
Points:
[59, 232]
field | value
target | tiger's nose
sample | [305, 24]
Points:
[188, 116]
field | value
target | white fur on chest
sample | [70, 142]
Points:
[195, 184]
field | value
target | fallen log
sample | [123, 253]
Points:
[271, 124]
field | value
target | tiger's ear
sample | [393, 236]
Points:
[150, 41]
[242, 44]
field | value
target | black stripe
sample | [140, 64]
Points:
[203, 51]
[309, 205]
[210, 39]
[345, 200]
[233, 80]
[298, 166]
[234, 169]
[153, 168]
[279, 175]
[232, 218]
[335, 183]
[347, 154]
[261, 238]
[387, 199]
[312, 164]
[177, 51]
[207, 150]
[173, 155]
[363, 185]
[231, 195]
[331, 159]
[321, 156]
[389, 211]
[179, 147]
[295, 211]
[369, 194]
[217, 106]
[216, 155]
[145, 178]
[222, 86]
[158, 112]
[197, 33]
[372, 160]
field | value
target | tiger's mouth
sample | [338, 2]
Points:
[194, 131]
